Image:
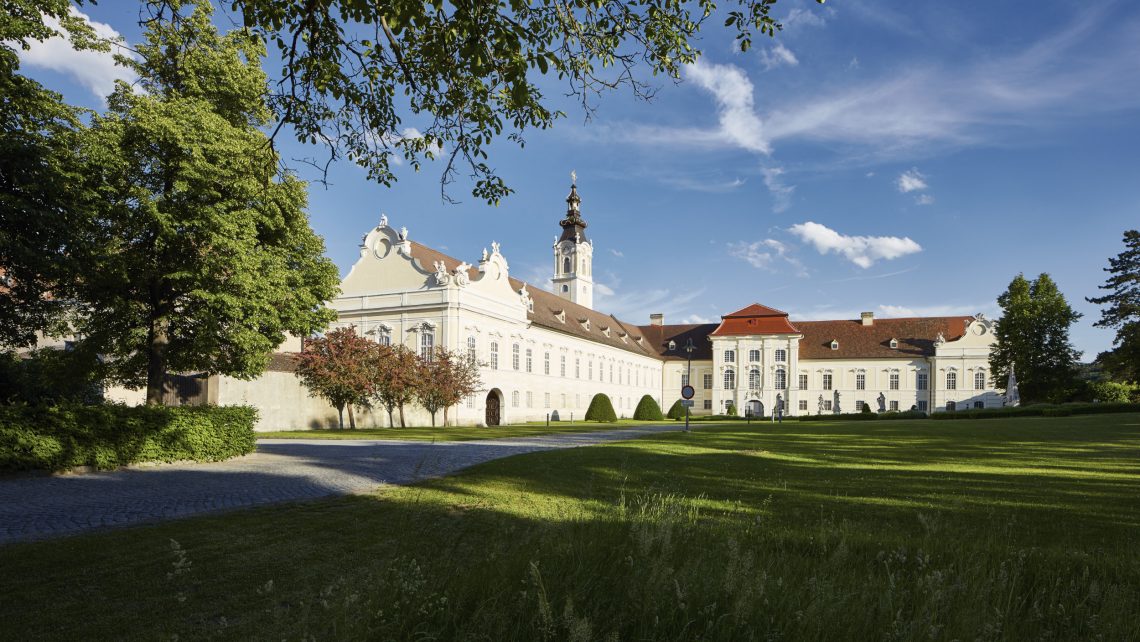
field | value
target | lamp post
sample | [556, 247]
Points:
[689, 347]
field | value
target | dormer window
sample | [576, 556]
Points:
[605, 330]
[585, 323]
[894, 344]
[560, 315]
[835, 344]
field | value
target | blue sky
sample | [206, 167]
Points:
[907, 158]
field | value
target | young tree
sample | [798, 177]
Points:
[201, 256]
[444, 380]
[1033, 340]
[397, 379]
[1123, 311]
[339, 367]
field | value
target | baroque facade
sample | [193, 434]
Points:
[543, 352]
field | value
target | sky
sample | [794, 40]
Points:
[904, 158]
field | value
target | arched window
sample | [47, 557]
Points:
[383, 336]
[494, 355]
[729, 379]
[979, 380]
[427, 343]
[951, 380]
[515, 356]
[781, 379]
[754, 379]
[781, 356]
[529, 359]
[471, 355]
[566, 265]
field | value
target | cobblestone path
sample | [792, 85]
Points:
[282, 470]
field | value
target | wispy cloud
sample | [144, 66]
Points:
[940, 310]
[617, 253]
[636, 306]
[781, 192]
[911, 180]
[766, 255]
[873, 277]
[800, 16]
[778, 56]
[732, 90]
[697, 318]
[863, 251]
[94, 70]
[924, 199]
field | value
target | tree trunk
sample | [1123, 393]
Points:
[402, 424]
[445, 409]
[351, 418]
[433, 419]
[340, 415]
[157, 342]
[390, 423]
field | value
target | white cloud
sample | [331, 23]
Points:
[603, 289]
[732, 90]
[696, 318]
[94, 70]
[801, 16]
[911, 180]
[778, 56]
[617, 253]
[863, 251]
[636, 307]
[781, 193]
[942, 310]
[924, 199]
[765, 255]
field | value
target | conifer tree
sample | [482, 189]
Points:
[1033, 340]
[1123, 311]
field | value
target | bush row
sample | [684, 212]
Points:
[107, 436]
[1039, 410]
[862, 416]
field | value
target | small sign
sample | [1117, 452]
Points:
[687, 392]
[687, 403]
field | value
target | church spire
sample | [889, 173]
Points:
[573, 227]
[574, 254]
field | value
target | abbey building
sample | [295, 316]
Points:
[543, 351]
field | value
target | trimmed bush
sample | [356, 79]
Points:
[648, 410]
[676, 411]
[1039, 410]
[866, 409]
[601, 409]
[731, 410]
[107, 436]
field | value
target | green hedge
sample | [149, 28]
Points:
[648, 410]
[677, 410]
[1039, 410]
[863, 416]
[601, 409]
[108, 436]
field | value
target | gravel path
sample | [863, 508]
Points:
[282, 470]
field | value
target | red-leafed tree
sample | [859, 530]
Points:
[445, 380]
[340, 367]
[396, 379]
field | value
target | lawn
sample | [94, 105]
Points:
[1017, 529]
[461, 433]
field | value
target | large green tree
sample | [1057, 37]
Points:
[1123, 311]
[1033, 340]
[42, 198]
[200, 256]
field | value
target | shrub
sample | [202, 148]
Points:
[49, 376]
[1113, 392]
[601, 409]
[648, 410]
[731, 411]
[108, 436]
[866, 409]
[1039, 410]
[676, 411]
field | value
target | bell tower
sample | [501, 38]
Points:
[574, 254]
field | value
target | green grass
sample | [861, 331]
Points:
[459, 433]
[1018, 529]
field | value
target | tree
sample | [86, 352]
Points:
[647, 410]
[1123, 311]
[1033, 340]
[601, 409]
[201, 256]
[41, 192]
[339, 367]
[397, 379]
[444, 380]
[353, 71]
[677, 410]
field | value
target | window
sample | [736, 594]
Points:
[979, 380]
[951, 380]
[515, 399]
[427, 343]
[494, 355]
[860, 381]
[894, 344]
[546, 400]
[577, 368]
[803, 382]
[383, 336]
[951, 406]
[827, 382]
[708, 404]
[470, 401]
[708, 381]
[590, 370]
[529, 399]
[922, 405]
[753, 355]
[781, 356]
[781, 379]
[834, 344]
[546, 363]
[730, 356]
[803, 404]
[563, 400]
[827, 404]
[565, 288]
[922, 381]
[684, 380]
[471, 355]
[562, 368]
[979, 404]
[894, 381]
[859, 406]
[611, 373]
[729, 379]
[894, 406]
[753, 379]
[529, 359]
[515, 356]
[566, 266]
[577, 401]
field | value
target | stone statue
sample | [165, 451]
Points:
[837, 410]
[403, 233]
[494, 247]
[383, 220]
[882, 402]
[461, 278]
[441, 276]
[820, 409]
[484, 259]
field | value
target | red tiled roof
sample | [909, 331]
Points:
[915, 337]
[755, 319]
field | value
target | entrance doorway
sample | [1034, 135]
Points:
[493, 406]
[756, 408]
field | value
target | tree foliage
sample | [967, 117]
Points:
[647, 410]
[1033, 340]
[601, 409]
[341, 368]
[201, 257]
[444, 380]
[1123, 311]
